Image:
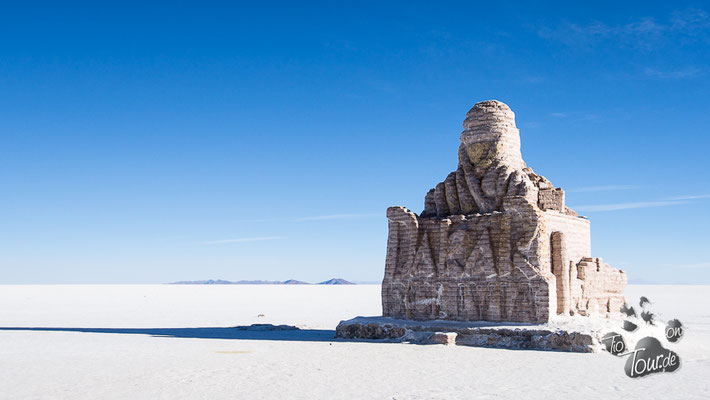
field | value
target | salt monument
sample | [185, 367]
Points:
[495, 241]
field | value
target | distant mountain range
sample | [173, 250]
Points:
[334, 281]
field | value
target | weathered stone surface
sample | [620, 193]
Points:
[440, 332]
[495, 241]
[369, 331]
[446, 338]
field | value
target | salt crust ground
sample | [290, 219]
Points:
[173, 342]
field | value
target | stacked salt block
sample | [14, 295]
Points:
[495, 241]
[596, 287]
[471, 334]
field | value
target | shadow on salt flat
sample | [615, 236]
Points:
[254, 332]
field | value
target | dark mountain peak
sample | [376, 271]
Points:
[336, 281]
[294, 282]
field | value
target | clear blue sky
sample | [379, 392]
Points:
[153, 143]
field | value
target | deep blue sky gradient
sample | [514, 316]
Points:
[147, 143]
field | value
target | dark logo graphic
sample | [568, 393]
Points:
[674, 331]
[630, 326]
[643, 302]
[648, 317]
[614, 343]
[629, 311]
[648, 356]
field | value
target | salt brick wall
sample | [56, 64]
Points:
[577, 236]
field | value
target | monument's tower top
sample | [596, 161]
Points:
[490, 136]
